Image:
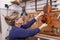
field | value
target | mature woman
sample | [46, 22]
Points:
[19, 30]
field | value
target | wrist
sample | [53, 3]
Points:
[40, 28]
[43, 25]
[37, 16]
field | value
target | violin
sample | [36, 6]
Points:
[46, 17]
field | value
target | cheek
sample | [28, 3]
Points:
[21, 21]
[17, 22]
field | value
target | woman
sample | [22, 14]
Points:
[19, 30]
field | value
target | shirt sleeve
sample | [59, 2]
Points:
[23, 33]
[25, 26]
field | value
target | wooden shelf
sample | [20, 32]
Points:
[47, 36]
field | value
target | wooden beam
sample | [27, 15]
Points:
[36, 5]
[51, 2]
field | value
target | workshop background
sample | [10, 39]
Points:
[30, 9]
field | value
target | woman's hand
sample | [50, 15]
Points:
[43, 25]
[40, 14]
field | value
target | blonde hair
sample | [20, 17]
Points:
[11, 19]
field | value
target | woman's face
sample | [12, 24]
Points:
[19, 22]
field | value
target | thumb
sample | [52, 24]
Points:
[43, 25]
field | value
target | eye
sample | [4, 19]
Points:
[20, 23]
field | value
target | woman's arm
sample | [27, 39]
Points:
[27, 25]
[23, 33]
[32, 21]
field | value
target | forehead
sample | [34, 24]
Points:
[20, 19]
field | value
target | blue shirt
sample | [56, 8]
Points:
[22, 32]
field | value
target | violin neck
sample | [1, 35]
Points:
[47, 6]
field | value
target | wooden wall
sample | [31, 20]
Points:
[38, 23]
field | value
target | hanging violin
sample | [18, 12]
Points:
[46, 17]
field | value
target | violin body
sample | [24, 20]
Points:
[46, 17]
